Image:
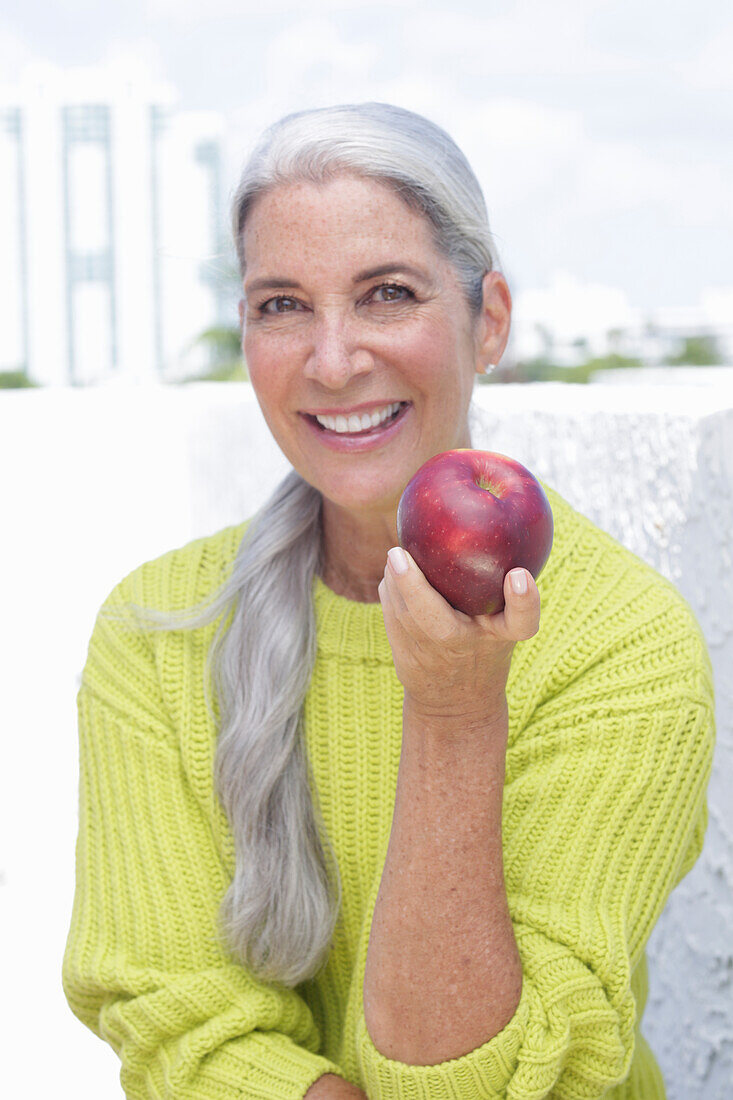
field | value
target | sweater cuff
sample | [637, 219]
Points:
[258, 1066]
[279, 1067]
[483, 1072]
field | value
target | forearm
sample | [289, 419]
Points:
[332, 1087]
[443, 973]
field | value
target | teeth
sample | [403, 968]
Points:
[356, 423]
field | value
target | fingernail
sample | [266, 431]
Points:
[398, 559]
[519, 581]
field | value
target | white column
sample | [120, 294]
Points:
[133, 239]
[48, 337]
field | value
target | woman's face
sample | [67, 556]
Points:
[350, 312]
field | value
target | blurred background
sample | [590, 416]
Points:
[600, 132]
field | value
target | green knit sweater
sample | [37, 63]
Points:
[610, 748]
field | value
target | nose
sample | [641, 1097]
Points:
[336, 354]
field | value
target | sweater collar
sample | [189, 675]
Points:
[349, 629]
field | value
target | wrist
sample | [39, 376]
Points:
[473, 717]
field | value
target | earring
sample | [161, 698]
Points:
[488, 367]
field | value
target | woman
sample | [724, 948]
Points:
[437, 844]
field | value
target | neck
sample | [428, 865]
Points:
[355, 552]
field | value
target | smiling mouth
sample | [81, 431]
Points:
[371, 430]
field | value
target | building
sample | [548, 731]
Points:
[115, 252]
[571, 321]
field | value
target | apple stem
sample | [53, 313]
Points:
[483, 484]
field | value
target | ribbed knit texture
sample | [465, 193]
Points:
[610, 748]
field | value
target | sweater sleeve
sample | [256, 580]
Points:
[144, 967]
[604, 813]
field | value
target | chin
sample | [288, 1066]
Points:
[356, 501]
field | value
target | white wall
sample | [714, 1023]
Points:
[653, 466]
[96, 481]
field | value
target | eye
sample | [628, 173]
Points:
[392, 292]
[287, 304]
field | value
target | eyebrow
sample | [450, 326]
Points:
[270, 282]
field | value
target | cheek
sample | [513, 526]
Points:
[267, 353]
[433, 349]
[255, 349]
[267, 381]
[265, 363]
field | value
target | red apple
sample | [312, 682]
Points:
[468, 517]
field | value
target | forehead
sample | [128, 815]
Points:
[342, 217]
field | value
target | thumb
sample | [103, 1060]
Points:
[521, 605]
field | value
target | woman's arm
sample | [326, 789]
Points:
[443, 973]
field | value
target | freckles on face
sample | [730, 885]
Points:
[349, 306]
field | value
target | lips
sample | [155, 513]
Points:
[359, 423]
[361, 440]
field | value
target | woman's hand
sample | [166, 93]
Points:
[449, 663]
[333, 1087]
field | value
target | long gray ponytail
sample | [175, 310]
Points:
[278, 915]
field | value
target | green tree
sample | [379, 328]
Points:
[223, 342]
[225, 356]
[701, 350]
[543, 369]
[16, 380]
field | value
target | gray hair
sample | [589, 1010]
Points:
[403, 150]
[279, 913]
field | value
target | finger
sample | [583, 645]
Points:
[410, 625]
[396, 632]
[391, 583]
[521, 615]
[430, 613]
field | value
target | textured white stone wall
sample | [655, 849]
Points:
[97, 481]
[654, 467]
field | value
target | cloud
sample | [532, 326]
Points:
[119, 63]
[314, 51]
[529, 40]
[15, 55]
[710, 68]
[616, 176]
[189, 11]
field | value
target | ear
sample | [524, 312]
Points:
[240, 307]
[494, 322]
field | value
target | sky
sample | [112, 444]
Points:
[601, 132]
